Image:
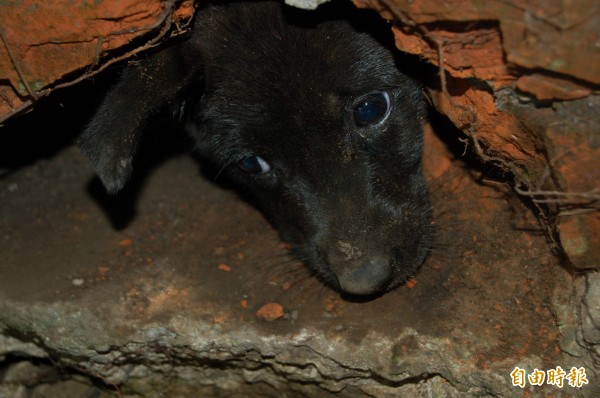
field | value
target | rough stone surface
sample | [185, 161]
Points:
[577, 318]
[573, 141]
[551, 88]
[42, 42]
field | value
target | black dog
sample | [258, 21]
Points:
[307, 112]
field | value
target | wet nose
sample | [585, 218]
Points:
[368, 278]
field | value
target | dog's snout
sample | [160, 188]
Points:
[367, 278]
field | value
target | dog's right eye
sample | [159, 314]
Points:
[254, 165]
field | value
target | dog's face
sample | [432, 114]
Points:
[318, 124]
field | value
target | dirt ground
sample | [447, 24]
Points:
[179, 242]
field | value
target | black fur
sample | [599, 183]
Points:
[263, 79]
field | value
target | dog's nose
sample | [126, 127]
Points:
[368, 278]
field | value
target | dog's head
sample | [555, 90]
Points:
[314, 119]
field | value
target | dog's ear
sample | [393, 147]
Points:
[146, 87]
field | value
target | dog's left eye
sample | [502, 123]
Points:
[254, 165]
[371, 109]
